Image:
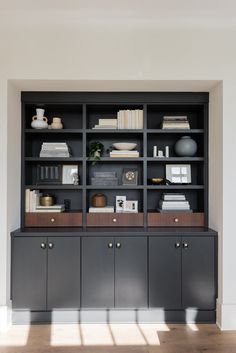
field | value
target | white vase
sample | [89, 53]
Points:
[39, 121]
[56, 123]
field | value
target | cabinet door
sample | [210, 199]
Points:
[97, 272]
[130, 272]
[198, 273]
[29, 259]
[63, 272]
[165, 272]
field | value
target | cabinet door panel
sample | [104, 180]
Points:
[63, 273]
[97, 272]
[198, 276]
[29, 273]
[130, 272]
[165, 272]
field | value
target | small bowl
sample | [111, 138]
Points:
[127, 146]
[157, 181]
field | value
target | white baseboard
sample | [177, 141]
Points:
[5, 317]
[226, 316]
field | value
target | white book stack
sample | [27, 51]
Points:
[31, 200]
[124, 154]
[130, 119]
[106, 124]
[55, 149]
[174, 203]
[51, 209]
[175, 122]
[107, 209]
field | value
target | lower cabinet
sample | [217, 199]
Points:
[46, 273]
[182, 273]
[114, 272]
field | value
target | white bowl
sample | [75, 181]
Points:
[127, 146]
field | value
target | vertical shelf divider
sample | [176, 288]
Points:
[145, 164]
[84, 144]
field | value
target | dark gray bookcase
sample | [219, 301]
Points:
[80, 111]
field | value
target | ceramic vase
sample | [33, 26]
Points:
[186, 147]
[39, 121]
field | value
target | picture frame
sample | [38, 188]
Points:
[178, 173]
[70, 174]
[129, 176]
[131, 206]
[120, 202]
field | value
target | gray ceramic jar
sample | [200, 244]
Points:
[186, 147]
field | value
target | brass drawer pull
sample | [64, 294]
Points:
[114, 220]
[176, 220]
[52, 220]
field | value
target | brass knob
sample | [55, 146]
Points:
[185, 245]
[50, 245]
[177, 245]
[114, 220]
[118, 245]
[176, 220]
[52, 220]
[110, 245]
[43, 246]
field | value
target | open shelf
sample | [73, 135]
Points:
[175, 131]
[54, 187]
[53, 159]
[118, 187]
[175, 159]
[54, 131]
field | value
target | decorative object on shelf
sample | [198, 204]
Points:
[48, 174]
[104, 179]
[186, 147]
[99, 200]
[167, 151]
[95, 151]
[175, 202]
[56, 123]
[120, 203]
[70, 174]
[106, 209]
[55, 150]
[154, 151]
[157, 181]
[178, 173]
[39, 121]
[131, 206]
[124, 146]
[175, 122]
[129, 176]
[130, 119]
[32, 198]
[46, 200]
[160, 154]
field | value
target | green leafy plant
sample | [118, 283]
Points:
[95, 151]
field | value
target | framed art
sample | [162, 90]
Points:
[178, 173]
[129, 176]
[131, 206]
[120, 203]
[70, 174]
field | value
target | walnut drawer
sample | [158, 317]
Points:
[53, 219]
[115, 219]
[175, 219]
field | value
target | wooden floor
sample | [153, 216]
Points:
[113, 338]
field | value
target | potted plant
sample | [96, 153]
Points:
[95, 151]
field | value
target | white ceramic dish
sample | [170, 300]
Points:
[127, 146]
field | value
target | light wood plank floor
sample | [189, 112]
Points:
[117, 338]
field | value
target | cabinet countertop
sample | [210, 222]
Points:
[106, 231]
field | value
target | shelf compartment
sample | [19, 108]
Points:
[71, 114]
[175, 131]
[175, 159]
[53, 131]
[54, 187]
[194, 112]
[176, 187]
[115, 219]
[109, 159]
[118, 187]
[114, 131]
[175, 219]
[64, 219]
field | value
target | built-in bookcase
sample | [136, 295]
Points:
[80, 111]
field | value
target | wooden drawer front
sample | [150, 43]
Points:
[176, 219]
[115, 220]
[53, 219]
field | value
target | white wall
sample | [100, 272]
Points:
[95, 58]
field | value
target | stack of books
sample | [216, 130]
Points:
[130, 119]
[32, 203]
[55, 149]
[104, 179]
[106, 124]
[174, 203]
[175, 122]
[124, 154]
[106, 209]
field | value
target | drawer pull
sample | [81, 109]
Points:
[110, 245]
[177, 245]
[118, 245]
[185, 245]
[114, 220]
[52, 220]
[176, 220]
[50, 245]
[43, 246]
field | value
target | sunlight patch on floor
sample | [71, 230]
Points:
[15, 336]
[95, 335]
[65, 335]
[193, 327]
